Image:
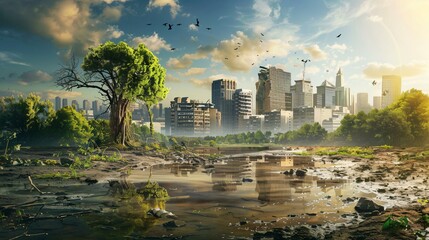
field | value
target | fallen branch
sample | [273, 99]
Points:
[34, 186]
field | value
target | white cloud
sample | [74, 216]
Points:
[153, 42]
[192, 27]
[68, 23]
[195, 71]
[51, 94]
[342, 13]
[194, 38]
[186, 60]
[170, 78]
[32, 77]
[375, 18]
[338, 47]
[113, 32]
[173, 4]
[315, 52]
[11, 59]
[376, 70]
[207, 82]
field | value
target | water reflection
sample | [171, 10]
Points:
[227, 175]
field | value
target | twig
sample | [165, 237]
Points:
[25, 233]
[34, 186]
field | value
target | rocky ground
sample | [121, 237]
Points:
[398, 176]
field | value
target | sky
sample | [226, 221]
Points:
[233, 39]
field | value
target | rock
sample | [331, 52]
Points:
[174, 224]
[66, 161]
[381, 190]
[290, 172]
[247, 180]
[14, 163]
[365, 205]
[301, 172]
[91, 181]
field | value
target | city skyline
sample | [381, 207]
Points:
[377, 38]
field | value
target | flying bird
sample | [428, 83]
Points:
[339, 35]
[165, 24]
[209, 28]
[327, 70]
[169, 26]
[262, 34]
[385, 92]
[253, 64]
[260, 40]
[226, 58]
[172, 49]
[198, 23]
[178, 24]
[238, 56]
[374, 83]
[236, 48]
[148, 24]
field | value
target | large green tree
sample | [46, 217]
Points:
[27, 117]
[122, 75]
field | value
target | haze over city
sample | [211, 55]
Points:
[367, 39]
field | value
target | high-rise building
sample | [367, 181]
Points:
[189, 117]
[86, 105]
[251, 123]
[390, 89]
[95, 107]
[342, 93]
[278, 121]
[222, 91]
[160, 110]
[65, 102]
[376, 102]
[242, 99]
[362, 103]
[310, 115]
[302, 94]
[57, 103]
[325, 96]
[75, 105]
[273, 90]
[215, 122]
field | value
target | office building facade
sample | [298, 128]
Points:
[390, 89]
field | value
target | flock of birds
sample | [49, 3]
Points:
[197, 24]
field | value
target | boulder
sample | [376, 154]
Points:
[365, 205]
[301, 172]
[290, 172]
[174, 224]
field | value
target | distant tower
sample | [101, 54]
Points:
[302, 94]
[57, 103]
[376, 102]
[342, 93]
[65, 102]
[222, 91]
[243, 105]
[325, 96]
[75, 105]
[273, 91]
[390, 89]
[86, 105]
[362, 103]
[95, 107]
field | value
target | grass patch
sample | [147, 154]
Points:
[60, 175]
[347, 151]
[395, 224]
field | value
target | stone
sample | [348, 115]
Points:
[66, 161]
[174, 224]
[91, 181]
[365, 205]
[290, 172]
[301, 172]
[247, 180]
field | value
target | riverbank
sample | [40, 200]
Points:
[394, 178]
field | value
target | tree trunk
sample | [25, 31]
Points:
[150, 119]
[119, 125]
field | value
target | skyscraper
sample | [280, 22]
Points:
[57, 103]
[390, 89]
[325, 96]
[75, 105]
[342, 93]
[65, 102]
[376, 102]
[95, 107]
[302, 94]
[272, 90]
[86, 105]
[222, 91]
[243, 105]
[362, 103]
